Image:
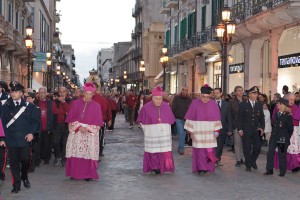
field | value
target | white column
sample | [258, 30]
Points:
[274, 38]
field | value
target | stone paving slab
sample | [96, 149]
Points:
[121, 178]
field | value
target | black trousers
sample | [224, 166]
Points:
[60, 137]
[251, 147]
[46, 145]
[2, 162]
[19, 159]
[36, 154]
[101, 139]
[220, 144]
[114, 114]
[281, 156]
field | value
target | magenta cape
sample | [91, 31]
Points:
[91, 116]
[1, 129]
[199, 111]
[149, 114]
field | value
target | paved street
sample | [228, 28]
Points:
[122, 178]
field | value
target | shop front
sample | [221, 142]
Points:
[289, 60]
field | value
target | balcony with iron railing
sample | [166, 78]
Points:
[137, 9]
[137, 54]
[139, 28]
[196, 40]
[246, 9]
[164, 9]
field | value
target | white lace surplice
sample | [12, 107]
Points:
[83, 145]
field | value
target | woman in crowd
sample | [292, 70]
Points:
[280, 138]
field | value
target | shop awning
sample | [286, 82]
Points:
[159, 75]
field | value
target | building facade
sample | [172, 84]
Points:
[147, 39]
[104, 64]
[14, 17]
[263, 51]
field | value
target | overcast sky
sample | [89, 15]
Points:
[90, 25]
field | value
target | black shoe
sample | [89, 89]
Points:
[2, 176]
[32, 169]
[15, 190]
[26, 183]
[181, 152]
[268, 172]
[242, 162]
[248, 169]
[46, 162]
[296, 169]
[156, 171]
[254, 166]
[88, 179]
[101, 154]
[238, 164]
[281, 174]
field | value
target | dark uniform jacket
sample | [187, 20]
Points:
[283, 128]
[250, 119]
[226, 118]
[28, 122]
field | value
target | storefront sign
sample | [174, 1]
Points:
[292, 60]
[39, 65]
[236, 68]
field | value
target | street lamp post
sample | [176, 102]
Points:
[142, 69]
[164, 61]
[225, 31]
[49, 69]
[28, 44]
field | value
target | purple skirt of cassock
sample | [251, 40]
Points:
[292, 161]
[162, 161]
[200, 161]
[80, 168]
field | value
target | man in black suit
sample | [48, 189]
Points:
[251, 125]
[20, 122]
[226, 120]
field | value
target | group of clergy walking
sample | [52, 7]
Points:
[203, 120]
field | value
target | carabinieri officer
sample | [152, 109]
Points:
[20, 122]
[251, 125]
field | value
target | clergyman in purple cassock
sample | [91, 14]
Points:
[203, 121]
[82, 150]
[156, 118]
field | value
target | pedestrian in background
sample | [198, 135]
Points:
[237, 140]
[280, 138]
[60, 108]
[268, 128]
[180, 107]
[203, 121]
[114, 110]
[156, 118]
[226, 120]
[84, 119]
[46, 117]
[131, 101]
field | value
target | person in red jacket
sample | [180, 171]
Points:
[60, 108]
[107, 117]
[131, 101]
[114, 110]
